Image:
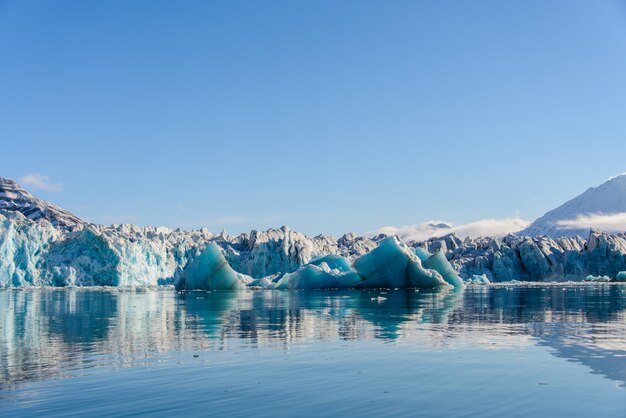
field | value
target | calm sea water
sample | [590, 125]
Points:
[487, 351]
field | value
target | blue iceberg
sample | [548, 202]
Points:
[327, 272]
[394, 265]
[210, 271]
[440, 263]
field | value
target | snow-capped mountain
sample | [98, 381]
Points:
[602, 207]
[14, 198]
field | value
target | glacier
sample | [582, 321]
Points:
[36, 253]
[534, 259]
[43, 245]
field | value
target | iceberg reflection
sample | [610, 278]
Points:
[57, 333]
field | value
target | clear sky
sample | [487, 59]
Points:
[327, 116]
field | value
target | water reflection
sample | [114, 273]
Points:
[54, 333]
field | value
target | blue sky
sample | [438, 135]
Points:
[325, 116]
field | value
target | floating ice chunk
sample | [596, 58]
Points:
[440, 263]
[621, 276]
[326, 272]
[600, 279]
[478, 279]
[481, 278]
[210, 270]
[311, 276]
[392, 264]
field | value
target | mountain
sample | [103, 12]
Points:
[595, 208]
[15, 199]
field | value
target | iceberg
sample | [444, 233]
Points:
[327, 272]
[390, 265]
[333, 262]
[478, 279]
[210, 271]
[597, 279]
[394, 265]
[317, 277]
[441, 265]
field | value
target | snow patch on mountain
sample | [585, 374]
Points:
[599, 207]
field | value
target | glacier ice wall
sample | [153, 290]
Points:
[265, 253]
[22, 244]
[533, 258]
[36, 253]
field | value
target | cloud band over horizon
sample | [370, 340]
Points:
[613, 222]
[432, 229]
[38, 181]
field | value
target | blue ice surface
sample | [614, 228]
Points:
[210, 271]
[325, 272]
[440, 263]
[334, 262]
[394, 265]
[422, 254]
[312, 276]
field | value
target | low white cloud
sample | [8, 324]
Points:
[431, 229]
[614, 222]
[39, 181]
